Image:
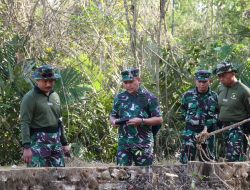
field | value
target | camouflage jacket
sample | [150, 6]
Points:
[199, 110]
[143, 105]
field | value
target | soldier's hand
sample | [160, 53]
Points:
[66, 149]
[27, 155]
[135, 121]
[113, 122]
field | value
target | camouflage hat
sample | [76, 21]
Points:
[224, 67]
[202, 75]
[129, 74]
[45, 72]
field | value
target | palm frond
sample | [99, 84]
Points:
[71, 87]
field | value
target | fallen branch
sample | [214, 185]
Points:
[204, 135]
[229, 127]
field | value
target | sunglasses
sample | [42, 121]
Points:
[127, 72]
[132, 73]
[225, 68]
[46, 73]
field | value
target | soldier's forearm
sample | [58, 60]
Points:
[152, 121]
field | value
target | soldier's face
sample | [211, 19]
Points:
[46, 85]
[132, 86]
[227, 79]
[202, 86]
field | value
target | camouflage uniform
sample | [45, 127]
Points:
[135, 143]
[46, 150]
[198, 110]
[41, 128]
[235, 143]
[234, 103]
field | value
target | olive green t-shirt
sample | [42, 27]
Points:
[234, 102]
[38, 111]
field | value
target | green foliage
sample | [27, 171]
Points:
[12, 87]
[86, 107]
[200, 43]
[89, 129]
[71, 87]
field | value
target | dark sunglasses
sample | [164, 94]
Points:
[125, 73]
[225, 68]
[133, 72]
[46, 73]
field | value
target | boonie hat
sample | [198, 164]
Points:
[45, 72]
[129, 74]
[224, 67]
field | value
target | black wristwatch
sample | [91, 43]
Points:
[142, 121]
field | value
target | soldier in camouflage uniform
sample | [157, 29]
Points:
[141, 110]
[43, 137]
[199, 108]
[234, 103]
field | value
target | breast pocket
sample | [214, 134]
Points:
[124, 107]
[211, 109]
[192, 108]
[124, 104]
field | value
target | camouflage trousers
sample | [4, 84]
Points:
[46, 150]
[142, 156]
[189, 149]
[235, 145]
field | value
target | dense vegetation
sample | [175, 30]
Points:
[91, 41]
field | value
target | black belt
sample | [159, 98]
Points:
[44, 130]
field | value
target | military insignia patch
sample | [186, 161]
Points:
[233, 96]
